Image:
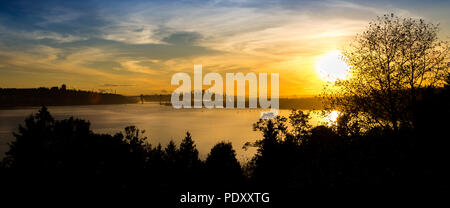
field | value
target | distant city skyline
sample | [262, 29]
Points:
[135, 47]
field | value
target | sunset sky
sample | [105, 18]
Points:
[135, 46]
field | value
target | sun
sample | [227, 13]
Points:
[331, 67]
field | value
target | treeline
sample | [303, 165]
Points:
[11, 97]
[64, 156]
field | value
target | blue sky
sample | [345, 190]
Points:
[135, 46]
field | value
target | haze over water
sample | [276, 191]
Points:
[161, 123]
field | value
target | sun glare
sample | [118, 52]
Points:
[332, 117]
[331, 67]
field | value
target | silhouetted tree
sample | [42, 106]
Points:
[171, 153]
[300, 124]
[276, 151]
[188, 153]
[156, 162]
[189, 164]
[389, 62]
[222, 167]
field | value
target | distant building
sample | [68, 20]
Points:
[63, 87]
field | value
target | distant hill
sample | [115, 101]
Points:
[12, 97]
[306, 103]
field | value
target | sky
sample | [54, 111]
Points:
[134, 47]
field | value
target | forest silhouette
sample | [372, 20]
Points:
[391, 139]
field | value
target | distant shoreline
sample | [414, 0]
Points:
[57, 96]
[16, 98]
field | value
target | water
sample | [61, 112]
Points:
[161, 123]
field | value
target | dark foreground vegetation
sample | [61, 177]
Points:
[11, 97]
[65, 158]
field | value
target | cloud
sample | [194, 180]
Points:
[81, 18]
[183, 38]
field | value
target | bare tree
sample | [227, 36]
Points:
[390, 61]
